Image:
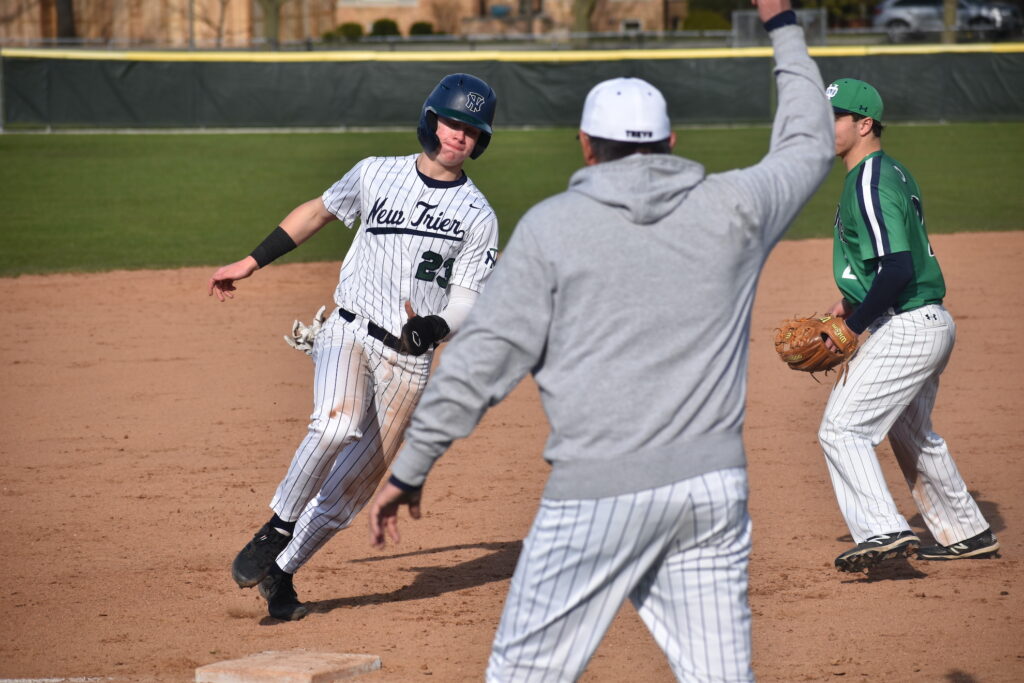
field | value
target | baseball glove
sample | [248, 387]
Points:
[302, 336]
[800, 343]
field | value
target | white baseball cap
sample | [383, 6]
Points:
[627, 110]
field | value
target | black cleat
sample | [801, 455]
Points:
[282, 602]
[257, 557]
[877, 549]
[982, 546]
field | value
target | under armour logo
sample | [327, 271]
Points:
[931, 316]
[474, 101]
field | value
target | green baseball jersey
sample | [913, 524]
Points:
[881, 212]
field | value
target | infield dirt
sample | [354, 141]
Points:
[145, 427]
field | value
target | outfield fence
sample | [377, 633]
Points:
[52, 89]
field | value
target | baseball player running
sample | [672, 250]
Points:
[426, 243]
[628, 297]
[892, 286]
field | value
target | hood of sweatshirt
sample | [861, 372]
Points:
[643, 187]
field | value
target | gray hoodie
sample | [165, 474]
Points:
[628, 297]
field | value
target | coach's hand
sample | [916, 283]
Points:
[767, 9]
[421, 332]
[384, 512]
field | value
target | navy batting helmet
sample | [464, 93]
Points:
[461, 97]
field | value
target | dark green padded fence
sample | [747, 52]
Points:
[323, 89]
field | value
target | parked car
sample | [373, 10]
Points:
[982, 19]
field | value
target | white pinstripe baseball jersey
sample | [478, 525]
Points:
[417, 237]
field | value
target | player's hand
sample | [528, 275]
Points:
[223, 281]
[384, 512]
[840, 309]
[420, 333]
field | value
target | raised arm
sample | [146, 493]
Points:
[802, 142]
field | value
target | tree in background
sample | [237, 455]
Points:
[706, 20]
[844, 12]
[215, 22]
[271, 20]
[65, 19]
[350, 31]
[213, 18]
[385, 27]
[582, 11]
[446, 15]
[11, 10]
[705, 11]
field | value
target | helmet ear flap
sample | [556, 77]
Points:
[481, 145]
[426, 131]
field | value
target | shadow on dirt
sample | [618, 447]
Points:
[432, 581]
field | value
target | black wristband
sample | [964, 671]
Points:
[781, 19]
[408, 488]
[277, 244]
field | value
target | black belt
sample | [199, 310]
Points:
[375, 330]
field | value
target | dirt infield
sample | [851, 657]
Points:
[145, 427]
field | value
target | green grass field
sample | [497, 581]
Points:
[71, 202]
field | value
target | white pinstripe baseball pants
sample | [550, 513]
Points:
[678, 552]
[363, 394]
[890, 389]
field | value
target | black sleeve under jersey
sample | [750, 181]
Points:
[895, 272]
